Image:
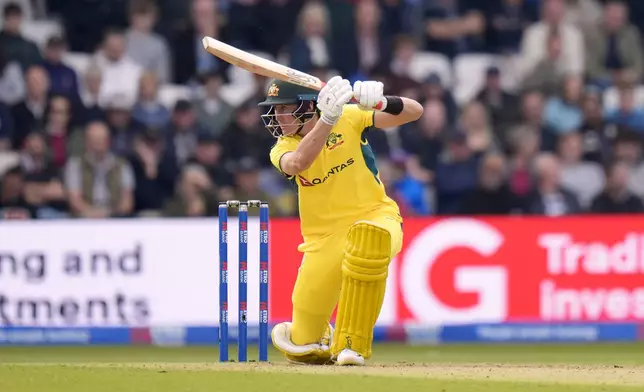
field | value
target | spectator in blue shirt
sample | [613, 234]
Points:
[628, 114]
[148, 110]
[456, 174]
[409, 193]
[563, 114]
[63, 80]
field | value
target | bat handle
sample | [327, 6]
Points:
[378, 106]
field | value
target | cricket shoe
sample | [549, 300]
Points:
[348, 357]
[307, 354]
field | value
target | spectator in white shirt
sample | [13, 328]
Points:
[143, 45]
[121, 74]
[535, 39]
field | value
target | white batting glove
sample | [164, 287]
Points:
[369, 95]
[333, 96]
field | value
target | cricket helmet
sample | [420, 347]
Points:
[284, 93]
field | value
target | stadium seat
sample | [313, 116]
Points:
[611, 97]
[169, 94]
[469, 74]
[40, 31]
[425, 63]
[8, 159]
[79, 62]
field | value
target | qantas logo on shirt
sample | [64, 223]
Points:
[334, 170]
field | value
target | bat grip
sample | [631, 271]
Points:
[378, 106]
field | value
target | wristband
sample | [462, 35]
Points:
[394, 105]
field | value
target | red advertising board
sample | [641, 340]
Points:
[457, 270]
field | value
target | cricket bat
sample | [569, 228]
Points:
[262, 66]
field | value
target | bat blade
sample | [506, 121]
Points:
[259, 65]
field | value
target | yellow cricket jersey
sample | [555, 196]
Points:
[342, 185]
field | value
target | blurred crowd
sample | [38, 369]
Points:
[531, 106]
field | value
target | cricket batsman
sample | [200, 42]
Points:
[351, 228]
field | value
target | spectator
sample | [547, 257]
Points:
[63, 79]
[29, 114]
[533, 45]
[423, 139]
[43, 190]
[280, 18]
[584, 14]
[12, 201]
[409, 193]
[492, 196]
[584, 179]
[123, 128]
[62, 137]
[208, 158]
[6, 127]
[85, 21]
[433, 89]
[13, 44]
[150, 193]
[501, 104]
[548, 74]
[143, 45]
[616, 198]
[181, 140]
[532, 121]
[454, 27]
[99, 183]
[475, 122]
[627, 148]
[404, 49]
[193, 197]
[213, 113]
[563, 114]
[148, 110]
[523, 148]
[456, 173]
[549, 197]
[507, 20]
[596, 136]
[248, 187]
[120, 74]
[615, 48]
[372, 46]
[247, 137]
[189, 57]
[628, 114]
[12, 82]
[311, 48]
[91, 96]
[34, 157]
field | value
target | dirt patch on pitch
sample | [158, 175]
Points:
[561, 374]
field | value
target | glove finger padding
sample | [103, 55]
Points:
[346, 95]
[331, 99]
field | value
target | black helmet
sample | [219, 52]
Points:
[284, 93]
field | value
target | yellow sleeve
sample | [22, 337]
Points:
[360, 119]
[283, 145]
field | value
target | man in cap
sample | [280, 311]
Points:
[351, 228]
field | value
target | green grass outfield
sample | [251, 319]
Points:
[569, 368]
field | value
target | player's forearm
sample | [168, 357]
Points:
[311, 146]
[412, 110]
[398, 111]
